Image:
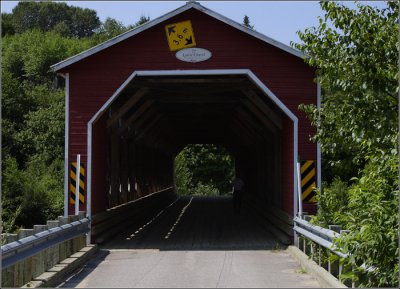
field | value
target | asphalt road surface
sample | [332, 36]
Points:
[195, 242]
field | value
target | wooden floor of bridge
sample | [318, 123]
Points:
[197, 223]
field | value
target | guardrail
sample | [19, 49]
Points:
[322, 236]
[40, 248]
[318, 243]
[19, 250]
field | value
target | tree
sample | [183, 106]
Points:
[142, 20]
[37, 35]
[6, 24]
[205, 169]
[108, 29]
[246, 22]
[46, 16]
[33, 127]
[357, 65]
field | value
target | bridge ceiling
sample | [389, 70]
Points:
[171, 112]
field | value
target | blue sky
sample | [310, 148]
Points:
[277, 19]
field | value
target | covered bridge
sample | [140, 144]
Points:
[190, 76]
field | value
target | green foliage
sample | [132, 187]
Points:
[28, 56]
[31, 196]
[205, 190]
[37, 35]
[246, 22]
[356, 62]
[356, 58]
[142, 20]
[6, 24]
[112, 28]
[204, 170]
[332, 203]
[46, 16]
[44, 128]
[372, 218]
[183, 177]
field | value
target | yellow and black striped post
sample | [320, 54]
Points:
[307, 170]
[72, 184]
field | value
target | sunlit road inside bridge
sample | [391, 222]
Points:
[195, 242]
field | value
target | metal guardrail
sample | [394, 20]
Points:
[321, 236]
[32, 245]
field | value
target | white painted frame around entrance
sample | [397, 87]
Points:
[245, 72]
[66, 146]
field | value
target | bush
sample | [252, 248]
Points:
[332, 203]
[205, 190]
[31, 196]
[372, 218]
[204, 170]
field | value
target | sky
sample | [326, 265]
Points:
[277, 19]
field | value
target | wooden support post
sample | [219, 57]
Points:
[319, 255]
[64, 247]
[74, 243]
[8, 238]
[114, 170]
[23, 272]
[124, 171]
[82, 239]
[54, 252]
[39, 260]
[335, 228]
[8, 275]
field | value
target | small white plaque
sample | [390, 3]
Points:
[193, 54]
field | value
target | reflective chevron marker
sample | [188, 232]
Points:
[72, 185]
[308, 185]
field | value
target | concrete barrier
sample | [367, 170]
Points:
[324, 278]
[58, 273]
[33, 266]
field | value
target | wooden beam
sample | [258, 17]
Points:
[255, 132]
[263, 107]
[134, 116]
[259, 115]
[134, 99]
[148, 126]
[195, 80]
[153, 111]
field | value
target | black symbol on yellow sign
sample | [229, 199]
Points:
[307, 171]
[72, 185]
[180, 35]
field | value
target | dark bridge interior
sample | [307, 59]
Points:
[153, 118]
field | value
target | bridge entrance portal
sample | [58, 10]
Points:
[134, 138]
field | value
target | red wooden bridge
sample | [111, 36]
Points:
[135, 101]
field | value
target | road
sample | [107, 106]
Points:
[196, 242]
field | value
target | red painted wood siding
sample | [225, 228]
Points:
[94, 79]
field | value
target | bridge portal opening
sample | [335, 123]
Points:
[204, 170]
[134, 139]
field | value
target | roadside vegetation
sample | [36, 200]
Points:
[356, 54]
[33, 103]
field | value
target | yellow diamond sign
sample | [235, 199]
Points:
[180, 35]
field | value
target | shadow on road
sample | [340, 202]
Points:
[198, 223]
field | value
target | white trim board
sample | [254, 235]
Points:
[148, 25]
[245, 72]
[66, 146]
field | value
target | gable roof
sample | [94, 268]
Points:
[147, 25]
